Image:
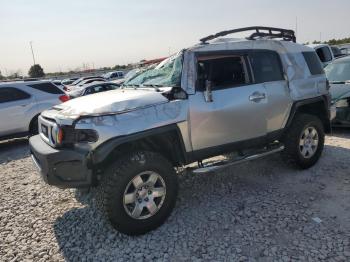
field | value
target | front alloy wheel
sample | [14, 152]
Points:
[144, 195]
[138, 192]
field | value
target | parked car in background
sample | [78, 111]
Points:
[22, 102]
[79, 80]
[337, 52]
[92, 88]
[324, 52]
[338, 74]
[84, 82]
[345, 49]
[127, 76]
[68, 81]
[113, 75]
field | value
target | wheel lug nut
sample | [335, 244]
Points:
[149, 192]
[146, 199]
[140, 200]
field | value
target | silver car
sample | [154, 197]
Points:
[93, 88]
[22, 102]
[248, 97]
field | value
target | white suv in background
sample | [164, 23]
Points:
[22, 102]
[324, 52]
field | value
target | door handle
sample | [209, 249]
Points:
[257, 96]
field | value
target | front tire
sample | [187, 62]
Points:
[138, 192]
[304, 141]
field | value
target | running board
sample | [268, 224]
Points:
[226, 163]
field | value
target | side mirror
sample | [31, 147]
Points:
[208, 96]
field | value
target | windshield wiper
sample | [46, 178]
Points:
[156, 87]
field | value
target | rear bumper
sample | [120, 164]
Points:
[64, 168]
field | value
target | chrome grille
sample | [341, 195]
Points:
[47, 130]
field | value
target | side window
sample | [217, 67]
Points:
[111, 87]
[47, 88]
[266, 67]
[10, 94]
[95, 89]
[327, 54]
[222, 71]
[313, 62]
[320, 54]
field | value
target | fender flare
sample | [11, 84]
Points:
[325, 99]
[99, 154]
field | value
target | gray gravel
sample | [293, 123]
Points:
[258, 211]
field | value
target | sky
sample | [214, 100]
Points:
[68, 34]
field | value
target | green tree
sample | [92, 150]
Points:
[36, 71]
[1, 76]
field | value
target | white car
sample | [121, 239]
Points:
[22, 102]
[324, 52]
[93, 88]
[113, 75]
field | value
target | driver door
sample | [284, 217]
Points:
[237, 112]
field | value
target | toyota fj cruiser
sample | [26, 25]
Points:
[253, 96]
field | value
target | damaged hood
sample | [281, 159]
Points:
[109, 102]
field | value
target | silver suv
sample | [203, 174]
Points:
[247, 97]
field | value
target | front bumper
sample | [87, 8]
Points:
[64, 168]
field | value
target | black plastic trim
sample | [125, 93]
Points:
[99, 154]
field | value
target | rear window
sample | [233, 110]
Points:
[47, 88]
[267, 67]
[313, 62]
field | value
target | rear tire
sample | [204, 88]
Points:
[138, 192]
[304, 141]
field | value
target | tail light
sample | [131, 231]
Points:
[64, 98]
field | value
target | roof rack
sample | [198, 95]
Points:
[270, 32]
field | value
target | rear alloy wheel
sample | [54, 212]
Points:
[138, 192]
[308, 142]
[304, 141]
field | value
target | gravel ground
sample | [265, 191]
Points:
[258, 211]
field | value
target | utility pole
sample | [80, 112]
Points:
[31, 47]
[296, 26]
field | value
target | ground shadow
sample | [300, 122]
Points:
[13, 149]
[341, 132]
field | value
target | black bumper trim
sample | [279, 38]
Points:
[64, 168]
